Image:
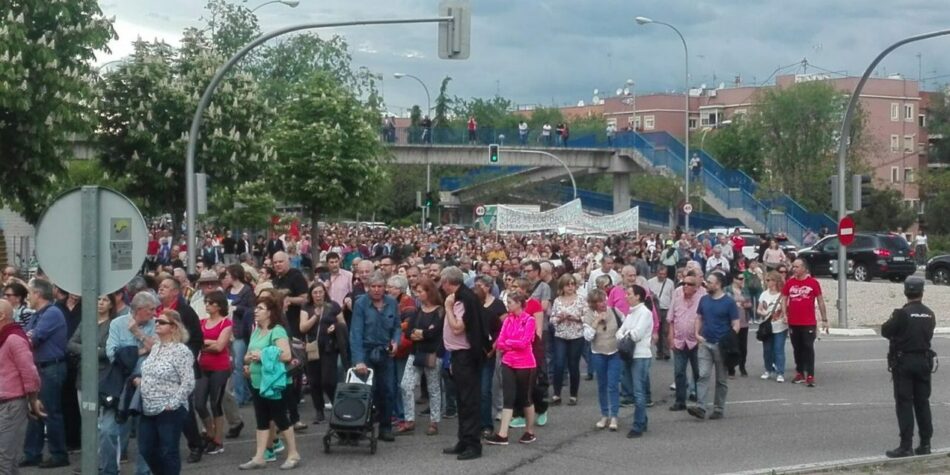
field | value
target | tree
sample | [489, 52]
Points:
[250, 205]
[442, 105]
[887, 211]
[738, 146]
[545, 115]
[797, 128]
[45, 95]
[935, 191]
[660, 190]
[938, 125]
[331, 157]
[145, 116]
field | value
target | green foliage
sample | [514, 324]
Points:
[45, 98]
[590, 125]
[89, 172]
[938, 123]
[231, 26]
[250, 205]
[738, 146]
[415, 116]
[442, 105]
[938, 244]
[935, 189]
[887, 211]
[544, 115]
[659, 189]
[331, 157]
[145, 113]
[489, 113]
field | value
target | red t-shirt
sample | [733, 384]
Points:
[533, 306]
[802, 294]
[208, 361]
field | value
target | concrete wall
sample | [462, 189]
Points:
[19, 236]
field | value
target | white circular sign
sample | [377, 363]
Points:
[122, 239]
[480, 210]
[687, 208]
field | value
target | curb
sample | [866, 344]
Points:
[942, 330]
[877, 461]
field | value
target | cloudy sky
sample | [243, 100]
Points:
[559, 51]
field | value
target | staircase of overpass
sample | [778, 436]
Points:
[731, 193]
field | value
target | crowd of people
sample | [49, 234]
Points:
[484, 327]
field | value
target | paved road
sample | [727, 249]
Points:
[850, 414]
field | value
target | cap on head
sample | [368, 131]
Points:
[914, 285]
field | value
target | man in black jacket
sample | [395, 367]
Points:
[910, 360]
[465, 335]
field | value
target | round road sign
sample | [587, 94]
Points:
[687, 208]
[480, 210]
[121, 240]
[846, 231]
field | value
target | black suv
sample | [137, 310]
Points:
[884, 255]
[938, 269]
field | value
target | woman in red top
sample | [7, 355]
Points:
[215, 364]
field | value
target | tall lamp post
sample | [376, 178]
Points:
[428, 111]
[643, 21]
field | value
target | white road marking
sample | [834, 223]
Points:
[756, 401]
[873, 360]
[821, 466]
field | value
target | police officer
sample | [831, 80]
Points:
[911, 361]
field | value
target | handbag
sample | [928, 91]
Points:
[625, 346]
[298, 356]
[425, 360]
[765, 330]
[312, 347]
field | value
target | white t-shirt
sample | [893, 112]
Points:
[771, 300]
[920, 240]
[546, 130]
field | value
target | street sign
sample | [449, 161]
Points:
[455, 37]
[480, 210]
[687, 208]
[121, 241]
[846, 231]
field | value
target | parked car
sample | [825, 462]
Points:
[883, 255]
[938, 269]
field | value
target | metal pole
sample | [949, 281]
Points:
[844, 138]
[191, 204]
[89, 406]
[542, 152]
[425, 211]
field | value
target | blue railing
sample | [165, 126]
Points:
[733, 187]
[476, 175]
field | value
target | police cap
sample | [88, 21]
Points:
[914, 285]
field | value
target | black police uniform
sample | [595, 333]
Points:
[910, 330]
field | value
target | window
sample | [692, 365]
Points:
[895, 143]
[895, 175]
[636, 122]
[709, 119]
[649, 122]
[692, 123]
[908, 175]
[908, 112]
[740, 112]
[895, 112]
[921, 120]
[909, 143]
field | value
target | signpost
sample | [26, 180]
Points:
[480, 210]
[846, 231]
[109, 253]
[687, 208]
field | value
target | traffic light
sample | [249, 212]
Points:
[860, 191]
[493, 153]
[428, 202]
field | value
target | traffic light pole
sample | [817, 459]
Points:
[190, 193]
[547, 154]
[844, 138]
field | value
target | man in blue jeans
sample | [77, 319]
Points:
[374, 337]
[47, 334]
[682, 334]
[718, 315]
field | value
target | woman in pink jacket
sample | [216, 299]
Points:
[517, 368]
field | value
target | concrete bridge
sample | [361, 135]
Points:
[621, 164]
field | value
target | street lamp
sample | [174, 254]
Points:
[643, 21]
[428, 111]
[289, 3]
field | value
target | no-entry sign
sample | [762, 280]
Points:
[846, 231]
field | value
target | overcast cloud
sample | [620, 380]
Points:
[558, 51]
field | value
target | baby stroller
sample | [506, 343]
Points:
[351, 419]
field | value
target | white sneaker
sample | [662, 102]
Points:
[765, 375]
[780, 379]
[602, 423]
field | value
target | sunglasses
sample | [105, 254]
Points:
[163, 322]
